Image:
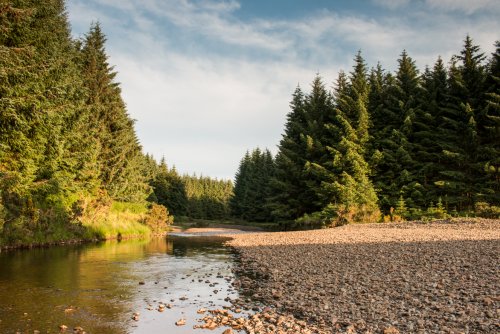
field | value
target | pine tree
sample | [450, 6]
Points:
[318, 107]
[252, 187]
[347, 189]
[288, 182]
[241, 180]
[460, 131]
[426, 135]
[120, 157]
[489, 151]
[46, 161]
[358, 101]
[395, 171]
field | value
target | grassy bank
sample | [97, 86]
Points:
[111, 220]
[120, 220]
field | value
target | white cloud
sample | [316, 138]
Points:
[466, 6]
[203, 108]
[392, 4]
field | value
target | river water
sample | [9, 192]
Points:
[100, 286]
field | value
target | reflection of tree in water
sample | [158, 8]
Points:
[58, 279]
[97, 283]
[196, 246]
[88, 281]
[160, 245]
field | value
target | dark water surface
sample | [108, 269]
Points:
[97, 286]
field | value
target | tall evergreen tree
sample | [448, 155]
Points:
[395, 175]
[358, 96]
[426, 136]
[287, 200]
[45, 158]
[460, 137]
[120, 157]
[348, 191]
[489, 151]
[252, 187]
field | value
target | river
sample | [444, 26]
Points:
[100, 286]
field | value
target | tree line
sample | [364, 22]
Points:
[68, 147]
[196, 197]
[404, 144]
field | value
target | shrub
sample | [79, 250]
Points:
[340, 214]
[485, 210]
[158, 218]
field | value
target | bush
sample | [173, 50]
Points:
[485, 210]
[340, 214]
[158, 218]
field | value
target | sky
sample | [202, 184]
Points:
[207, 80]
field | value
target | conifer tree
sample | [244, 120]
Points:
[45, 160]
[459, 131]
[252, 187]
[358, 101]
[395, 175]
[489, 134]
[348, 190]
[287, 199]
[120, 157]
[426, 134]
[318, 107]
[241, 180]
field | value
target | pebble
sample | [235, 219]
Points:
[375, 278]
[180, 322]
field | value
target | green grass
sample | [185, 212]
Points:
[122, 220]
[120, 207]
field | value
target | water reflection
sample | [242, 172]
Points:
[97, 286]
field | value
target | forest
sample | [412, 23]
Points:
[71, 165]
[378, 146]
[383, 146]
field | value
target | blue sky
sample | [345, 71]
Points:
[207, 80]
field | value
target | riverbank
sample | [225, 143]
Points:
[376, 278]
[117, 220]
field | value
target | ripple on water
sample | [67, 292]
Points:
[97, 286]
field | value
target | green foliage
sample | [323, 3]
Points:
[252, 187]
[207, 198]
[485, 210]
[169, 189]
[399, 142]
[158, 218]
[64, 132]
[188, 196]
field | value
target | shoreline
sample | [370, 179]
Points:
[69, 242]
[410, 277]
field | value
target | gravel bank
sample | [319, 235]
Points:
[440, 277]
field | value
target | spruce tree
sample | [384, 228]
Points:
[120, 157]
[460, 131]
[252, 187]
[395, 174]
[286, 201]
[241, 180]
[348, 191]
[489, 151]
[47, 162]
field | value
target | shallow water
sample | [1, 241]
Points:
[97, 286]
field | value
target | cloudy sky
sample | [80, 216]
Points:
[207, 80]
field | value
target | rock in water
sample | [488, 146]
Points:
[180, 322]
